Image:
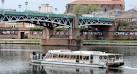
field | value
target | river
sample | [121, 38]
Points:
[14, 59]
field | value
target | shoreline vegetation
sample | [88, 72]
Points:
[84, 42]
[110, 42]
[19, 41]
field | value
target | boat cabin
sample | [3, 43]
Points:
[81, 57]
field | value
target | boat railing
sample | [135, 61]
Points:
[60, 50]
[37, 56]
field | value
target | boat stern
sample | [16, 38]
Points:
[115, 64]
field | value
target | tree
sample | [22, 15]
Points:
[121, 24]
[78, 10]
[38, 29]
[2, 2]
[83, 9]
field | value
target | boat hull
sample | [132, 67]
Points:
[68, 64]
[118, 64]
[110, 65]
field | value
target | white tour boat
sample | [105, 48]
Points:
[78, 58]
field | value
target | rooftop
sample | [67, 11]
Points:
[84, 53]
[96, 2]
[132, 13]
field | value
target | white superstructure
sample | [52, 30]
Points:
[79, 58]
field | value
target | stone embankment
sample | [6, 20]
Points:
[19, 41]
[84, 42]
[110, 42]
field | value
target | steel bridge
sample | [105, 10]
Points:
[50, 20]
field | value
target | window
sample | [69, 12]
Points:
[86, 58]
[105, 57]
[80, 57]
[54, 55]
[91, 57]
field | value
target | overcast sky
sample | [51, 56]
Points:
[60, 4]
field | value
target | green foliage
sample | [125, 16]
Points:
[83, 9]
[83, 29]
[59, 29]
[123, 23]
[36, 29]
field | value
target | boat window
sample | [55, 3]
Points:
[111, 56]
[49, 56]
[117, 57]
[61, 56]
[91, 57]
[54, 55]
[69, 56]
[86, 58]
[72, 56]
[65, 56]
[105, 57]
[77, 57]
[80, 57]
[100, 57]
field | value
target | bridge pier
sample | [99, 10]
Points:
[73, 39]
[60, 42]
[47, 40]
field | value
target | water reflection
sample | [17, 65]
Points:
[38, 69]
[15, 59]
[65, 70]
[50, 69]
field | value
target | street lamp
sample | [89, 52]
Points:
[26, 4]
[56, 9]
[2, 2]
[39, 8]
[47, 8]
[20, 7]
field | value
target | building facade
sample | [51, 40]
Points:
[18, 31]
[46, 8]
[126, 25]
[105, 5]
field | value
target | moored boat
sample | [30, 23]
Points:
[79, 58]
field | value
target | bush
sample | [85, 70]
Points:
[36, 29]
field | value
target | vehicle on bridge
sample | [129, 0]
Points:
[79, 58]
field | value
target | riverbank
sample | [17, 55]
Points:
[19, 41]
[110, 42]
[84, 42]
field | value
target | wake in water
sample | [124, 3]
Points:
[130, 68]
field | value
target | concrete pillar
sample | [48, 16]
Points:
[70, 33]
[18, 35]
[29, 35]
[75, 33]
[110, 33]
[45, 34]
[73, 40]
[21, 29]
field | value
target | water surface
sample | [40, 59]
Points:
[14, 59]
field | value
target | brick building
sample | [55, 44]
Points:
[46, 8]
[126, 25]
[105, 5]
[18, 31]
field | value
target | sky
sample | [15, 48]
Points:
[59, 4]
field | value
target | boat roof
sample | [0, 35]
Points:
[84, 53]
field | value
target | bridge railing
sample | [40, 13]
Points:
[109, 35]
[33, 13]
